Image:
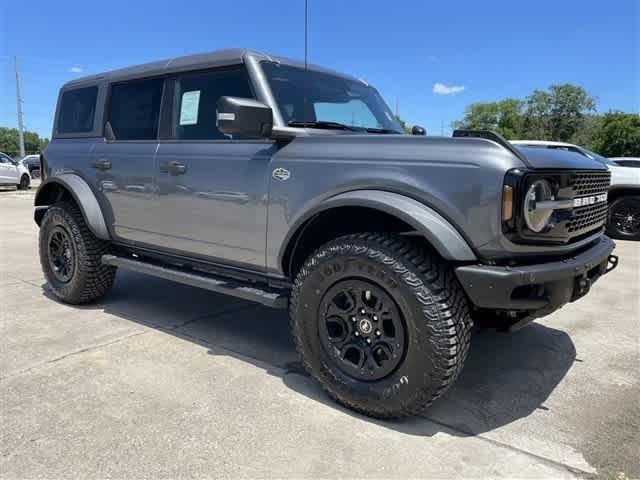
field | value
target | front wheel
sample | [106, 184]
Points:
[71, 256]
[24, 182]
[381, 322]
[624, 218]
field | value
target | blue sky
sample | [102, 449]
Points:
[413, 51]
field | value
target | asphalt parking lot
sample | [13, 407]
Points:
[164, 380]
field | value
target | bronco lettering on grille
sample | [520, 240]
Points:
[590, 200]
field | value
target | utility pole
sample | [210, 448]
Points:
[19, 104]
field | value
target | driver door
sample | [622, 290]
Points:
[212, 188]
[8, 171]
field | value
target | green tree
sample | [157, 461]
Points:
[557, 114]
[9, 142]
[587, 134]
[618, 135]
[504, 117]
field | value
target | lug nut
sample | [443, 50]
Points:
[353, 319]
[357, 334]
[375, 318]
[368, 340]
[378, 332]
[363, 311]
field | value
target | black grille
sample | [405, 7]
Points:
[587, 217]
[590, 183]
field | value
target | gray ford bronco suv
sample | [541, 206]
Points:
[295, 187]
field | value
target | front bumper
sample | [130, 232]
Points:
[537, 289]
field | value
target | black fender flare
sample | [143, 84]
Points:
[438, 231]
[83, 196]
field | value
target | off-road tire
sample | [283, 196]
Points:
[434, 308]
[24, 182]
[90, 279]
[612, 229]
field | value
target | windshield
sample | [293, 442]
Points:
[597, 156]
[331, 100]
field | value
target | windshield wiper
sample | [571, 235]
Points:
[322, 124]
[381, 130]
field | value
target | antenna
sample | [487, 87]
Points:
[306, 31]
[306, 65]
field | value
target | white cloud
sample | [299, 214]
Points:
[442, 89]
[76, 69]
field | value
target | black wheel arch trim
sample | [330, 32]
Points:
[442, 235]
[615, 191]
[82, 195]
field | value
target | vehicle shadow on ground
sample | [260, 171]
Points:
[506, 376]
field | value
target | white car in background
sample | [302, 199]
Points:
[627, 161]
[624, 192]
[13, 172]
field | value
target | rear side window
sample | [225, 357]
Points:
[197, 96]
[77, 110]
[134, 109]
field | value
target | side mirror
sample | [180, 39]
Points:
[245, 117]
[418, 130]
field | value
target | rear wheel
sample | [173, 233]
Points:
[71, 255]
[624, 218]
[381, 322]
[24, 182]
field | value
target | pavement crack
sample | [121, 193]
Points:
[498, 443]
[73, 353]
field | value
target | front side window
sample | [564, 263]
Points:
[195, 115]
[77, 109]
[318, 99]
[134, 109]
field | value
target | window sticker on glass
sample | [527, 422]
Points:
[189, 108]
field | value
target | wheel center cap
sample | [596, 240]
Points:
[365, 326]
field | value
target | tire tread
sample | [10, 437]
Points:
[433, 284]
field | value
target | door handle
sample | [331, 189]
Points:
[102, 164]
[174, 168]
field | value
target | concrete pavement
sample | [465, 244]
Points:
[164, 380]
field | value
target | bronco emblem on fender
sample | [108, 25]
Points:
[281, 174]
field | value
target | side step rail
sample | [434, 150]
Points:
[247, 291]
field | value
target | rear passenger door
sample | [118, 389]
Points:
[124, 164]
[212, 188]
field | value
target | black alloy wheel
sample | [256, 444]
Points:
[62, 258]
[624, 218]
[362, 328]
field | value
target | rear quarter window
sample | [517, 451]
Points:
[77, 110]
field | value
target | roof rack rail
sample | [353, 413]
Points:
[491, 135]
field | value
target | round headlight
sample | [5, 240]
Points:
[536, 216]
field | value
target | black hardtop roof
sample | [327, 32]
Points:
[199, 61]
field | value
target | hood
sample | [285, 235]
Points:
[373, 149]
[468, 150]
[551, 158]
[624, 176]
